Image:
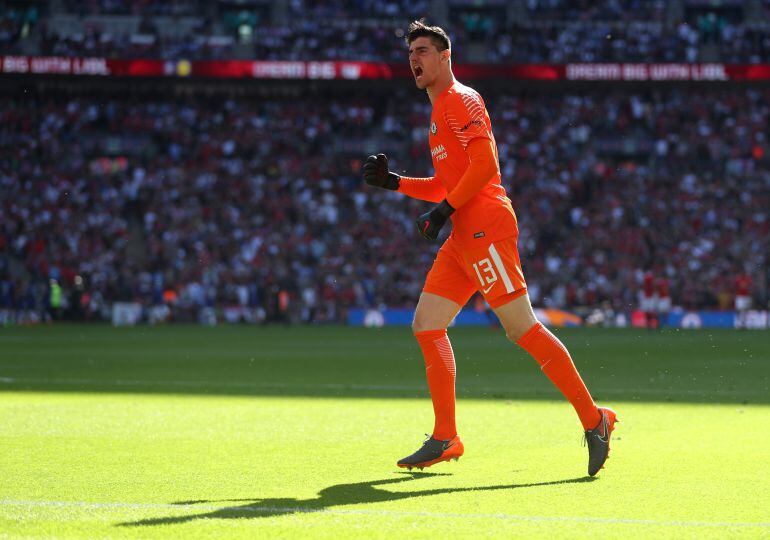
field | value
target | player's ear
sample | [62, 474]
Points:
[446, 54]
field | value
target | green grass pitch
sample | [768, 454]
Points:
[191, 432]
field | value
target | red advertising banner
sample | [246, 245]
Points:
[292, 70]
[342, 70]
[646, 72]
[538, 72]
[56, 65]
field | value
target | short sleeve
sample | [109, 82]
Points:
[465, 116]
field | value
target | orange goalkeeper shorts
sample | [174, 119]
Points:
[492, 269]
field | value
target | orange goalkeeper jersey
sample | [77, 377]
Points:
[460, 116]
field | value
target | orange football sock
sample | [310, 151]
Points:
[555, 361]
[440, 371]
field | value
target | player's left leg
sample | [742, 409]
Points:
[498, 272]
[523, 328]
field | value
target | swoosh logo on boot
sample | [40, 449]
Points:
[606, 430]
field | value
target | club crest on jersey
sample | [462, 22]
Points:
[433, 128]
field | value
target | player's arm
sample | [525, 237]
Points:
[376, 174]
[426, 189]
[482, 168]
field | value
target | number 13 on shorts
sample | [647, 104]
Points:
[491, 267]
[486, 274]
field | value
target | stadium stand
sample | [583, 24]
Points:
[189, 201]
[185, 202]
[545, 31]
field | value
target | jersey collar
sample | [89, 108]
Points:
[445, 91]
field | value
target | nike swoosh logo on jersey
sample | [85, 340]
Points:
[485, 291]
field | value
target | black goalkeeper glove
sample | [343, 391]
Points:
[430, 223]
[376, 173]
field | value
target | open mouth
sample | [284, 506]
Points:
[417, 72]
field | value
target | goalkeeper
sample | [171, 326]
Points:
[480, 254]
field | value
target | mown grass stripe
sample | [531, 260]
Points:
[351, 386]
[291, 509]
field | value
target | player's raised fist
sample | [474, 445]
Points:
[376, 173]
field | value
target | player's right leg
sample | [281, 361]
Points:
[446, 290]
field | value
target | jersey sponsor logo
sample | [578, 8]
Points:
[479, 234]
[471, 123]
[438, 152]
[433, 128]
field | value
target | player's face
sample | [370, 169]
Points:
[425, 61]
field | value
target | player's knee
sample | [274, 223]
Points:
[422, 325]
[515, 331]
[416, 326]
[513, 335]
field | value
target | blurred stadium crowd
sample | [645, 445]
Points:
[523, 31]
[193, 202]
[189, 203]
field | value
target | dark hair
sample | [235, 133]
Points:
[436, 34]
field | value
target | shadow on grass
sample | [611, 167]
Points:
[332, 496]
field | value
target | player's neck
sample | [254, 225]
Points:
[443, 82]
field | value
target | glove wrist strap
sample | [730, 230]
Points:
[392, 182]
[445, 209]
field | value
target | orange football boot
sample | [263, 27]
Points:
[598, 440]
[433, 451]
